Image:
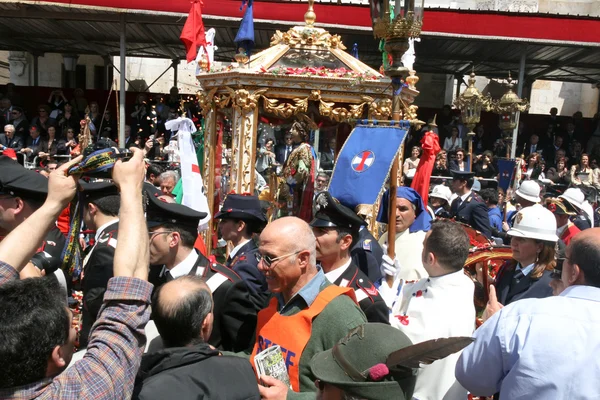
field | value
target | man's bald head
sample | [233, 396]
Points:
[584, 252]
[182, 311]
[292, 234]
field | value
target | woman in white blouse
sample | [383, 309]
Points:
[453, 142]
[411, 163]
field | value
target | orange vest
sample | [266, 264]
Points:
[292, 333]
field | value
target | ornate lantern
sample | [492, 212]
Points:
[508, 107]
[470, 103]
[406, 23]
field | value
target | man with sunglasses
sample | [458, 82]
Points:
[307, 314]
[173, 231]
[20, 123]
[336, 229]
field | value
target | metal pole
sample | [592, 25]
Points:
[175, 63]
[458, 85]
[122, 57]
[36, 73]
[513, 149]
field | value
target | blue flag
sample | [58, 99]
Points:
[245, 35]
[364, 163]
[506, 169]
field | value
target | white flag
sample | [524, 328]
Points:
[191, 179]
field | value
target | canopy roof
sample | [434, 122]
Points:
[565, 48]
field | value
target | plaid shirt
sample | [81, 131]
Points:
[117, 341]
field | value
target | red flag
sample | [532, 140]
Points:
[431, 146]
[10, 153]
[192, 34]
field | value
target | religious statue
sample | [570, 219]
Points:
[299, 171]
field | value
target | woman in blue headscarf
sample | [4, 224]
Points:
[412, 223]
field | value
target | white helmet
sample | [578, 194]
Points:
[441, 192]
[535, 222]
[530, 191]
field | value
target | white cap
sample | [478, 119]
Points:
[441, 192]
[535, 222]
[476, 185]
[530, 191]
[574, 196]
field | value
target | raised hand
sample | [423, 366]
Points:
[493, 306]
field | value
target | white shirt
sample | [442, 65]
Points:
[434, 308]
[100, 230]
[184, 267]
[237, 248]
[537, 349]
[464, 196]
[333, 276]
[525, 270]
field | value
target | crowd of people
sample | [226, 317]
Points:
[296, 309]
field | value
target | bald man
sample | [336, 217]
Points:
[513, 349]
[307, 314]
[182, 312]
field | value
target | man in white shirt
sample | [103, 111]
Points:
[336, 229]
[440, 305]
[543, 348]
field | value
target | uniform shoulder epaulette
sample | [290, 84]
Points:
[363, 283]
[367, 244]
[227, 272]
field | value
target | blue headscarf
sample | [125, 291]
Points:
[422, 221]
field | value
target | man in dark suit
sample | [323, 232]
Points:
[20, 123]
[533, 146]
[173, 231]
[468, 207]
[8, 140]
[550, 151]
[34, 145]
[101, 204]
[241, 217]
[328, 156]
[282, 152]
[336, 228]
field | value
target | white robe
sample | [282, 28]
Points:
[408, 249]
[436, 308]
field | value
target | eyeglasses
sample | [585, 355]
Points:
[267, 261]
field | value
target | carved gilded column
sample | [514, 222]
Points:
[210, 147]
[245, 126]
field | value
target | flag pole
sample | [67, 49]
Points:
[391, 239]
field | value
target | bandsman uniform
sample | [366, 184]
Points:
[331, 214]
[568, 231]
[234, 310]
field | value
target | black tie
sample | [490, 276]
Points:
[518, 275]
[228, 262]
[169, 276]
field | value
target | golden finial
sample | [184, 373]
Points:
[310, 17]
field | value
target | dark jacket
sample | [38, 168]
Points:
[246, 266]
[327, 160]
[41, 146]
[97, 271]
[280, 153]
[472, 212]
[367, 255]
[15, 143]
[508, 290]
[488, 173]
[197, 372]
[369, 300]
[234, 308]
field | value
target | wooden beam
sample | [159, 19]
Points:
[569, 60]
[148, 32]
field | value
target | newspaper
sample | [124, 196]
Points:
[270, 362]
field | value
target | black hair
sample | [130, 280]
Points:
[33, 321]
[586, 254]
[252, 226]
[343, 231]
[153, 169]
[108, 205]
[180, 324]
[449, 242]
[489, 195]
[187, 233]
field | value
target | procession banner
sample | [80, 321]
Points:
[364, 163]
[506, 169]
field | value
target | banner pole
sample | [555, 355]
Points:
[391, 239]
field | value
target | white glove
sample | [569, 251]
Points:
[389, 266]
